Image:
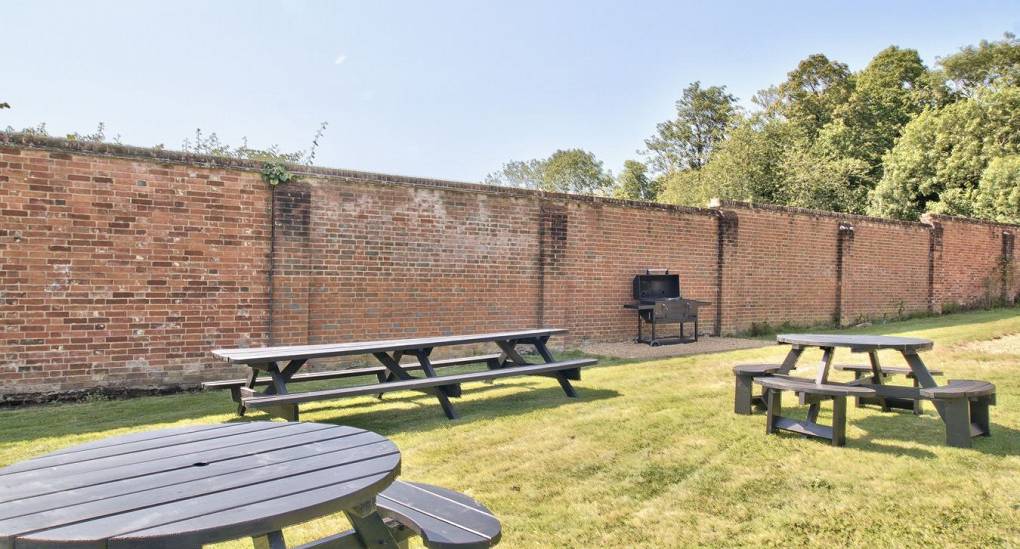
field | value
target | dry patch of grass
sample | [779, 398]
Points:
[651, 454]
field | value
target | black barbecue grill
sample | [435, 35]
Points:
[657, 301]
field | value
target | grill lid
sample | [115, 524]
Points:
[650, 287]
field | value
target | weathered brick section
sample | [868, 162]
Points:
[779, 266]
[970, 267]
[885, 270]
[124, 267]
[593, 250]
[125, 273]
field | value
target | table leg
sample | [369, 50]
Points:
[272, 540]
[393, 365]
[877, 377]
[561, 376]
[923, 378]
[441, 392]
[822, 376]
[369, 525]
[790, 362]
[278, 386]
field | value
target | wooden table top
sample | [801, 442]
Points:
[857, 343]
[183, 487]
[261, 355]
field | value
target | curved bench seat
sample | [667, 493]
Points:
[744, 399]
[959, 388]
[804, 385]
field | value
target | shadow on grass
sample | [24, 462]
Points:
[929, 430]
[926, 430]
[429, 416]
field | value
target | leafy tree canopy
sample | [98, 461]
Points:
[569, 171]
[937, 164]
[633, 183]
[974, 67]
[704, 116]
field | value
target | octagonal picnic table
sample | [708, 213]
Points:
[909, 347]
[188, 486]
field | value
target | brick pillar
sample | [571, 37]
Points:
[844, 239]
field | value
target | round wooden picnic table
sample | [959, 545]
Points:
[888, 396]
[857, 343]
[188, 486]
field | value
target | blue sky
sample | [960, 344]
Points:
[446, 89]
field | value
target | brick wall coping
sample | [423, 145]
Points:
[737, 204]
[208, 161]
[30, 141]
[931, 219]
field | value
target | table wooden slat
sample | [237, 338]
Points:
[262, 455]
[264, 515]
[142, 492]
[261, 355]
[858, 343]
[55, 484]
[135, 447]
[15, 479]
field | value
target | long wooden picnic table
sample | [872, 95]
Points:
[277, 367]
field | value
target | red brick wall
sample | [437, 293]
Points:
[779, 266]
[969, 263]
[124, 267]
[885, 270]
[125, 273]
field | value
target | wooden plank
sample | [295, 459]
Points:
[804, 385]
[226, 515]
[260, 455]
[139, 436]
[415, 384]
[442, 518]
[193, 491]
[803, 427]
[273, 354]
[857, 343]
[117, 467]
[352, 372]
[78, 461]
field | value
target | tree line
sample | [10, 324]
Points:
[894, 139]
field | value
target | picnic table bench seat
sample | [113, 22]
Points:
[774, 386]
[285, 405]
[444, 519]
[744, 399]
[965, 409]
[865, 369]
[865, 372]
[379, 371]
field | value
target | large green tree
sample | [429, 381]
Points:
[941, 157]
[633, 182]
[570, 171]
[812, 92]
[976, 67]
[704, 117]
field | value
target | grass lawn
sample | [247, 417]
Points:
[651, 454]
